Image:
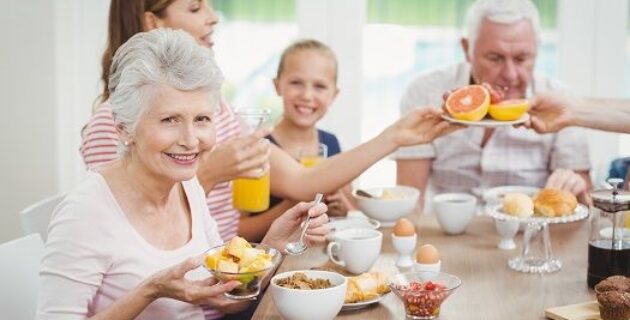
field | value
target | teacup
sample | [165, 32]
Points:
[355, 249]
[454, 211]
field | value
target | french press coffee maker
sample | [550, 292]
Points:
[609, 243]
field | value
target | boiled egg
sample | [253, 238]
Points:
[427, 254]
[404, 228]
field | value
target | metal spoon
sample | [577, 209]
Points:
[299, 247]
[364, 194]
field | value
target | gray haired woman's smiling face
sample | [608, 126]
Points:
[175, 129]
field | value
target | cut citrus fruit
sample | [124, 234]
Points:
[469, 103]
[508, 110]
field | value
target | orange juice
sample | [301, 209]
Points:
[310, 161]
[251, 195]
[627, 219]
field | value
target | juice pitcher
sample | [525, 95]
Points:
[251, 194]
[609, 243]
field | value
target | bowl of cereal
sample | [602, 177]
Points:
[308, 294]
[423, 292]
[387, 204]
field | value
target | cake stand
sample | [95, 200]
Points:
[536, 256]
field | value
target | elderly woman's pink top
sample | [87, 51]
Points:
[94, 255]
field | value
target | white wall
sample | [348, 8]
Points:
[48, 80]
[27, 92]
[592, 56]
[339, 24]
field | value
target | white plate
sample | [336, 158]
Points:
[362, 304]
[495, 195]
[486, 122]
[581, 212]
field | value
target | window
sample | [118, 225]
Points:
[250, 37]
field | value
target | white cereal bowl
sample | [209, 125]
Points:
[400, 202]
[320, 304]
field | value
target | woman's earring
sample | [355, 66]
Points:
[126, 143]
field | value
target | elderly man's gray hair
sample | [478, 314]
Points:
[499, 11]
[158, 57]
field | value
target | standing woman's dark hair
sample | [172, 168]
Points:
[126, 18]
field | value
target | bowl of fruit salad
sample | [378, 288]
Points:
[423, 292]
[247, 263]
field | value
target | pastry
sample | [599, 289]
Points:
[518, 204]
[554, 203]
[614, 305]
[366, 286]
[613, 283]
[613, 296]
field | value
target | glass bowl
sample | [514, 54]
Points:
[423, 292]
[250, 281]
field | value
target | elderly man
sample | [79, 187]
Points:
[500, 45]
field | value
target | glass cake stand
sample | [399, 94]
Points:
[536, 256]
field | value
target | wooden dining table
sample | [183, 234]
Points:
[490, 289]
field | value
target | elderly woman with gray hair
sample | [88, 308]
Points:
[127, 242]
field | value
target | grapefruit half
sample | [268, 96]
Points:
[469, 103]
[508, 110]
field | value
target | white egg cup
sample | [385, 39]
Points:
[405, 247]
[507, 229]
[432, 267]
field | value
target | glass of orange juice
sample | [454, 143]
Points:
[310, 156]
[251, 194]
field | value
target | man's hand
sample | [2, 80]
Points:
[567, 180]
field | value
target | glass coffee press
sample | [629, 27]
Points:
[609, 242]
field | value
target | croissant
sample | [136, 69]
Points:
[554, 203]
[366, 286]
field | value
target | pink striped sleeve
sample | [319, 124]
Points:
[100, 139]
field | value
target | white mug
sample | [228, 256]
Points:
[454, 211]
[356, 249]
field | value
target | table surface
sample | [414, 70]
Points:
[490, 289]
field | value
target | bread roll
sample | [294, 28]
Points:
[366, 286]
[518, 204]
[554, 203]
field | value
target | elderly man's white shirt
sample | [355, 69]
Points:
[512, 156]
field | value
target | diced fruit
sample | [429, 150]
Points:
[257, 265]
[237, 246]
[469, 103]
[227, 266]
[508, 110]
[249, 255]
[212, 261]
